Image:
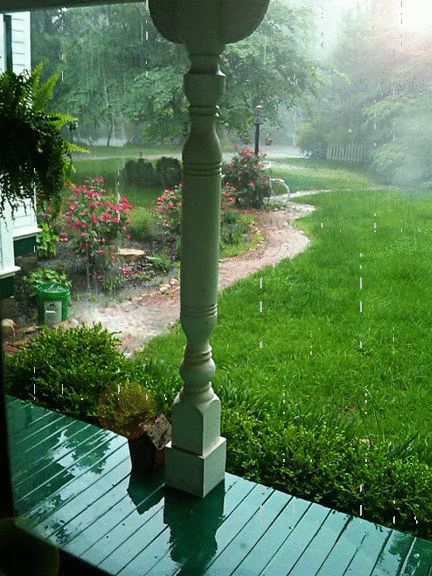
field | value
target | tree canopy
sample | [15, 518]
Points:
[120, 75]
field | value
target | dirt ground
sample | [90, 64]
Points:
[146, 315]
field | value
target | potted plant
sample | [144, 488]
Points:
[130, 411]
[34, 155]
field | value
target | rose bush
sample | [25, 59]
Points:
[247, 174]
[93, 222]
[170, 206]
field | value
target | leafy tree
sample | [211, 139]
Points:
[270, 67]
[119, 72]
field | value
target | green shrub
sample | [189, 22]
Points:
[246, 174]
[323, 465]
[144, 224]
[169, 172]
[312, 140]
[322, 462]
[123, 409]
[87, 362]
[69, 369]
[112, 280]
[234, 229]
[38, 277]
[160, 263]
[140, 172]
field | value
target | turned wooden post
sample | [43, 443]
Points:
[195, 461]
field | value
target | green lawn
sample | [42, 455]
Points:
[305, 174]
[311, 327]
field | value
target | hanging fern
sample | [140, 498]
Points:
[34, 155]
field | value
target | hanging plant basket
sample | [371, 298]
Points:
[34, 155]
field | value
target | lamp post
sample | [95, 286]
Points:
[259, 117]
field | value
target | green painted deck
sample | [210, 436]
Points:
[72, 480]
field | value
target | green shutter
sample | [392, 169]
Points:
[8, 41]
[23, 246]
[7, 287]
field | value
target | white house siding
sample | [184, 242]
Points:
[7, 256]
[21, 41]
[24, 224]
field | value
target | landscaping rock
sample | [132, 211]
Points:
[279, 187]
[8, 328]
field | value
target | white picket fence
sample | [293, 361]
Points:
[348, 153]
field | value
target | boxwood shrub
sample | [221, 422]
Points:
[71, 369]
[67, 369]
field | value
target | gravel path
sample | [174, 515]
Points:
[138, 320]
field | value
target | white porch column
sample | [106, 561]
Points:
[196, 457]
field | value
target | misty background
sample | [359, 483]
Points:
[330, 75]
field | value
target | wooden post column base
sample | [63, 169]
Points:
[196, 474]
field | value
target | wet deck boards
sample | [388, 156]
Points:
[72, 480]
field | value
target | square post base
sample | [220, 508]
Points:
[194, 473]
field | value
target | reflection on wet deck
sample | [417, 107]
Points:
[72, 484]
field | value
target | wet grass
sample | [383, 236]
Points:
[311, 325]
[306, 174]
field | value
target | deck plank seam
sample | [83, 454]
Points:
[221, 550]
[265, 532]
[39, 430]
[53, 461]
[334, 544]
[355, 553]
[252, 487]
[38, 444]
[405, 563]
[164, 529]
[109, 488]
[109, 439]
[44, 517]
[159, 507]
[310, 541]
[381, 552]
[288, 536]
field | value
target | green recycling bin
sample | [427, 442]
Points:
[53, 303]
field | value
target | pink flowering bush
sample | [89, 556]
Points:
[93, 222]
[229, 197]
[170, 206]
[246, 173]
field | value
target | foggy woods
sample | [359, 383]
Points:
[377, 94]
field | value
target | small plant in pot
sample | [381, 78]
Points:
[129, 411]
